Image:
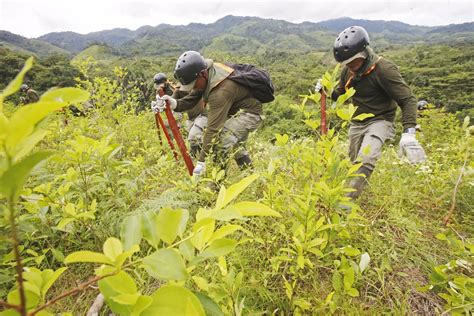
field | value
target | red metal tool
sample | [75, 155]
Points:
[159, 122]
[324, 128]
[177, 135]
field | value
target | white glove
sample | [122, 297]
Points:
[319, 86]
[173, 103]
[158, 106]
[411, 148]
[199, 169]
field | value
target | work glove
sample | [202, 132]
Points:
[173, 103]
[199, 169]
[158, 106]
[411, 148]
[319, 86]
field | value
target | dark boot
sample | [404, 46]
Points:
[195, 150]
[244, 162]
[359, 183]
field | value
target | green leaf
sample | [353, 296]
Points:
[313, 124]
[300, 261]
[149, 230]
[174, 300]
[344, 114]
[166, 264]
[64, 222]
[126, 299]
[219, 247]
[187, 250]
[121, 283]
[24, 121]
[49, 279]
[117, 285]
[352, 292]
[337, 281]
[363, 116]
[29, 143]
[234, 190]
[201, 283]
[142, 303]
[32, 300]
[87, 256]
[112, 248]
[210, 307]
[281, 140]
[131, 231]
[226, 214]
[220, 198]
[203, 231]
[349, 276]
[441, 236]
[350, 251]
[364, 262]
[13, 179]
[65, 95]
[171, 223]
[248, 208]
[15, 84]
[224, 231]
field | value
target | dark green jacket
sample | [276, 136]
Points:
[379, 91]
[193, 111]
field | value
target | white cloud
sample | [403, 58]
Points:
[34, 18]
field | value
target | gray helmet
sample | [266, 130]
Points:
[160, 78]
[351, 41]
[188, 66]
[422, 104]
[24, 87]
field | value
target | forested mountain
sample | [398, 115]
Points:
[242, 35]
[29, 46]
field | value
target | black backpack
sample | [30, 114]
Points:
[258, 80]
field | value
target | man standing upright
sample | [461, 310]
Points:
[379, 89]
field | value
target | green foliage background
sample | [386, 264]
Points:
[391, 255]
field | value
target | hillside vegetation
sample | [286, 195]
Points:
[96, 204]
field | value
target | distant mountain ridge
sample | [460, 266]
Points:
[23, 44]
[244, 35]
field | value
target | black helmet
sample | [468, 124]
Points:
[351, 41]
[24, 87]
[188, 66]
[160, 78]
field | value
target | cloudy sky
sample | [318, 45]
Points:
[32, 18]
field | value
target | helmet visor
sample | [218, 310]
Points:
[188, 87]
[362, 54]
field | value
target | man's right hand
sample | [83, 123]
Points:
[411, 148]
[158, 106]
[199, 169]
[319, 86]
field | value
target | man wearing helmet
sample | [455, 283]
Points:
[379, 89]
[233, 112]
[30, 95]
[197, 119]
